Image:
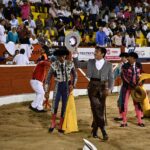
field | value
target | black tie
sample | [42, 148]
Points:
[62, 70]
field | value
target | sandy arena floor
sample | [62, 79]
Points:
[22, 129]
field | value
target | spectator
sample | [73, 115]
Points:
[117, 39]
[101, 38]
[13, 35]
[53, 11]
[13, 21]
[148, 38]
[94, 12]
[24, 34]
[1, 12]
[32, 24]
[33, 39]
[2, 31]
[39, 24]
[130, 40]
[61, 28]
[8, 11]
[21, 59]
[138, 9]
[25, 10]
[47, 4]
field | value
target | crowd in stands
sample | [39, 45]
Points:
[48, 21]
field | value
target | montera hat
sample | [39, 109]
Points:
[138, 94]
[61, 51]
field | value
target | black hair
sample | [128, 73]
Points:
[102, 49]
[124, 54]
[22, 51]
[134, 55]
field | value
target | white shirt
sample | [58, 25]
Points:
[35, 41]
[148, 37]
[2, 34]
[138, 10]
[14, 22]
[21, 59]
[94, 9]
[99, 64]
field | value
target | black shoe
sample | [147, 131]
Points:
[51, 130]
[34, 109]
[123, 125]
[141, 124]
[60, 131]
[105, 137]
[94, 134]
[118, 119]
[41, 111]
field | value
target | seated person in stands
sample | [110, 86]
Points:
[33, 39]
[12, 35]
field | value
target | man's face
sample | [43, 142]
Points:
[62, 58]
[98, 55]
[124, 59]
[131, 60]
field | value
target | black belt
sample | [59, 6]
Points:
[95, 79]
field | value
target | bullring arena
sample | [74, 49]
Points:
[40, 27]
[21, 128]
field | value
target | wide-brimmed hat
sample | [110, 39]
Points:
[138, 94]
[61, 51]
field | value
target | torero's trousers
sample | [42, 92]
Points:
[97, 95]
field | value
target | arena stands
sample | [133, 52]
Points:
[48, 21]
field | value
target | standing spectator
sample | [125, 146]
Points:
[8, 11]
[61, 30]
[1, 12]
[13, 21]
[25, 10]
[148, 38]
[138, 9]
[47, 4]
[24, 34]
[130, 40]
[94, 12]
[32, 24]
[53, 11]
[39, 24]
[101, 38]
[21, 59]
[2, 31]
[117, 39]
[13, 35]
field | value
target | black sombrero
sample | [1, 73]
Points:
[61, 51]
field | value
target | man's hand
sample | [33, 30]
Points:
[70, 88]
[107, 92]
[47, 95]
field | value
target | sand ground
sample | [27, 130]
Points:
[23, 129]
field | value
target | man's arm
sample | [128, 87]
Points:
[47, 81]
[79, 64]
[74, 74]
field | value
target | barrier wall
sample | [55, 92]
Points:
[16, 79]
